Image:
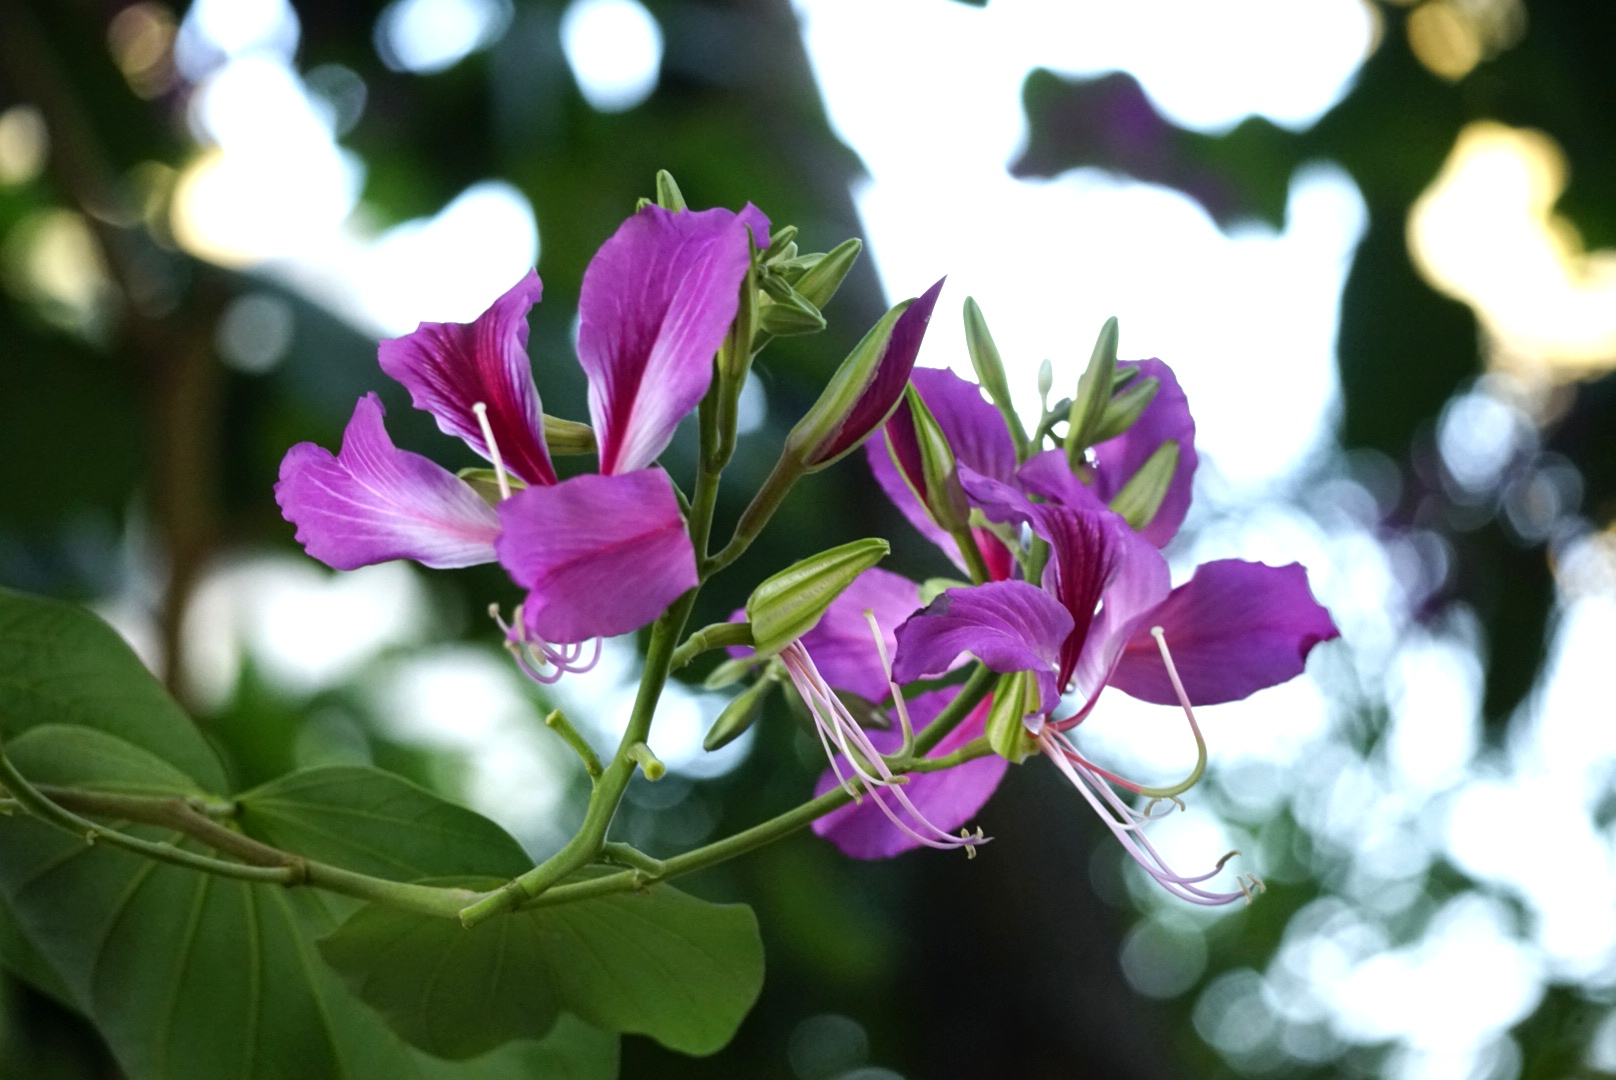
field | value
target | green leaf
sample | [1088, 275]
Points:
[65, 666]
[190, 976]
[84, 757]
[375, 823]
[658, 963]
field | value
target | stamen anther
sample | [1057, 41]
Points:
[493, 450]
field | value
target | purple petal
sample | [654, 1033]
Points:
[841, 644]
[758, 222]
[947, 799]
[1008, 625]
[885, 387]
[1234, 628]
[894, 458]
[449, 367]
[602, 555]
[1137, 582]
[1167, 417]
[374, 502]
[656, 302]
[1048, 475]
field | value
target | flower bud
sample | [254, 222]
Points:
[1046, 381]
[866, 388]
[1014, 698]
[741, 713]
[940, 492]
[784, 238]
[789, 315]
[1142, 495]
[668, 195]
[1093, 394]
[1127, 407]
[791, 603]
[820, 281]
[990, 371]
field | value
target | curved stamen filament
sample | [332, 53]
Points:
[1125, 824]
[493, 450]
[540, 660]
[907, 750]
[839, 731]
[1195, 729]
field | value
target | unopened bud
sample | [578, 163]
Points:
[1142, 495]
[668, 195]
[866, 388]
[1093, 394]
[784, 237]
[789, 314]
[485, 482]
[941, 493]
[821, 280]
[791, 603]
[1014, 699]
[990, 370]
[729, 673]
[741, 713]
[1126, 407]
[1046, 381]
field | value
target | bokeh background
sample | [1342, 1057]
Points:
[1375, 238]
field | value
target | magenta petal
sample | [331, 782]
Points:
[758, 223]
[1234, 628]
[975, 430]
[841, 644]
[449, 367]
[1008, 625]
[373, 502]
[656, 302]
[1167, 417]
[1136, 582]
[947, 799]
[892, 373]
[1048, 475]
[602, 555]
[892, 454]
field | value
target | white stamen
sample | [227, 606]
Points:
[493, 450]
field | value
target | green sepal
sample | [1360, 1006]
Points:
[568, 438]
[485, 482]
[820, 281]
[789, 604]
[1093, 394]
[932, 588]
[1014, 698]
[1142, 495]
[735, 354]
[668, 195]
[990, 371]
[944, 499]
[1126, 407]
[824, 419]
[741, 713]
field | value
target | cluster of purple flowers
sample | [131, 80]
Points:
[1068, 593]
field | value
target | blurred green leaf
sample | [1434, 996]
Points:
[658, 963]
[66, 666]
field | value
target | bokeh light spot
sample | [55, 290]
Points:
[426, 36]
[615, 50]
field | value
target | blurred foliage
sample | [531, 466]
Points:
[131, 459]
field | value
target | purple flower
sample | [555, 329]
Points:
[600, 554]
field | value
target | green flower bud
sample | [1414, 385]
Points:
[668, 195]
[789, 315]
[942, 496]
[1093, 394]
[1046, 381]
[1014, 698]
[1127, 407]
[990, 371]
[791, 603]
[824, 420]
[821, 280]
[729, 673]
[784, 237]
[741, 713]
[1142, 495]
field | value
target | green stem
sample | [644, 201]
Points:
[631, 856]
[786, 473]
[971, 694]
[976, 748]
[713, 636]
[974, 562]
[586, 844]
[558, 722]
